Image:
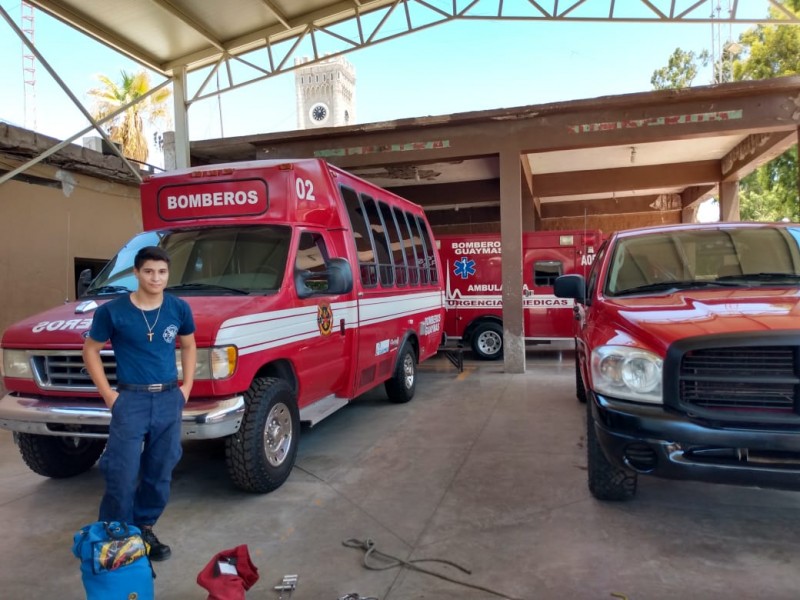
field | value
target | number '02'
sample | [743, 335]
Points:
[305, 189]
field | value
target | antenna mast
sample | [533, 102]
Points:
[29, 67]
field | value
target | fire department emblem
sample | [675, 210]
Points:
[325, 319]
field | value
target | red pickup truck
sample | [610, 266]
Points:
[688, 356]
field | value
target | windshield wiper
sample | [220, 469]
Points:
[760, 277]
[207, 286]
[674, 285]
[107, 289]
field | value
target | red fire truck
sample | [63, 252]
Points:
[474, 299]
[309, 287]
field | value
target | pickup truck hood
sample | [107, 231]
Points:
[67, 325]
[662, 319]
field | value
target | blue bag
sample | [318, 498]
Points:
[114, 562]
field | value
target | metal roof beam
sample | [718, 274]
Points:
[84, 24]
[277, 13]
[187, 20]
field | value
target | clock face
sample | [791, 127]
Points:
[319, 112]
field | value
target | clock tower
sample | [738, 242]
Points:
[326, 93]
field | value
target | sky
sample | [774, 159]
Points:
[454, 67]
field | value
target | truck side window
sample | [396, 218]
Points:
[546, 271]
[411, 246]
[380, 239]
[422, 258]
[593, 274]
[395, 244]
[312, 255]
[430, 262]
[360, 229]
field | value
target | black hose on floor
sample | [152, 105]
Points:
[391, 562]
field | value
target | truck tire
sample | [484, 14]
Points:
[487, 341]
[59, 457]
[580, 389]
[261, 454]
[401, 387]
[606, 482]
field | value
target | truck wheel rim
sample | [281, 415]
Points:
[408, 371]
[278, 434]
[490, 343]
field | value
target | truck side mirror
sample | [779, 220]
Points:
[84, 281]
[336, 279]
[570, 286]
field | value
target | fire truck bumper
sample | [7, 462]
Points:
[205, 418]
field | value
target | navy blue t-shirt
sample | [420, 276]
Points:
[140, 361]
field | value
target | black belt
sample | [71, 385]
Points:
[153, 387]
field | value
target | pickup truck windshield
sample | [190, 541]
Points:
[211, 261]
[660, 262]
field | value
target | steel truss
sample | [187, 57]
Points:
[372, 24]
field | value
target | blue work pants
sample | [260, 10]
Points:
[144, 445]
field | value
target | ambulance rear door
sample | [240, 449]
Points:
[547, 317]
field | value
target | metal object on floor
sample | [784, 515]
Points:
[455, 355]
[288, 584]
[356, 596]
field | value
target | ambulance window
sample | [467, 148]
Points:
[422, 256]
[395, 244]
[385, 267]
[546, 271]
[409, 252]
[312, 256]
[363, 240]
[433, 272]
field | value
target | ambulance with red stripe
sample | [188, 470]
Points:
[474, 286]
[308, 286]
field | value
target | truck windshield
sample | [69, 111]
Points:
[219, 260]
[660, 262]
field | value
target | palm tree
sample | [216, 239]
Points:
[127, 128]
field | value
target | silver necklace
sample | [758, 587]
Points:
[153, 326]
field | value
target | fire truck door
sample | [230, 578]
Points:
[324, 362]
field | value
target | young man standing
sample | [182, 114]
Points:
[144, 440]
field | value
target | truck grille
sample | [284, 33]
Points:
[65, 371]
[762, 379]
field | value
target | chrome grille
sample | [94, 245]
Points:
[65, 371]
[747, 378]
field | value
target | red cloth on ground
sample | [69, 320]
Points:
[224, 586]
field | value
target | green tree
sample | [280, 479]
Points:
[770, 192]
[680, 71]
[128, 128]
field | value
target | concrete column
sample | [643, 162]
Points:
[182, 155]
[170, 162]
[511, 241]
[689, 214]
[528, 206]
[729, 200]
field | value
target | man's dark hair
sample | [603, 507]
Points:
[149, 253]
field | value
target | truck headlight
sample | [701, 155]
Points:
[627, 373]
[212, 363]
[16, 363]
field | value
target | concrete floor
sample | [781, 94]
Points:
[483, 469]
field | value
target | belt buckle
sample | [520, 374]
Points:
[155, 387]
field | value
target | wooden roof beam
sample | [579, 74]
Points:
[696, 194]
[600, 181]
[610, 206]
[755, 150]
